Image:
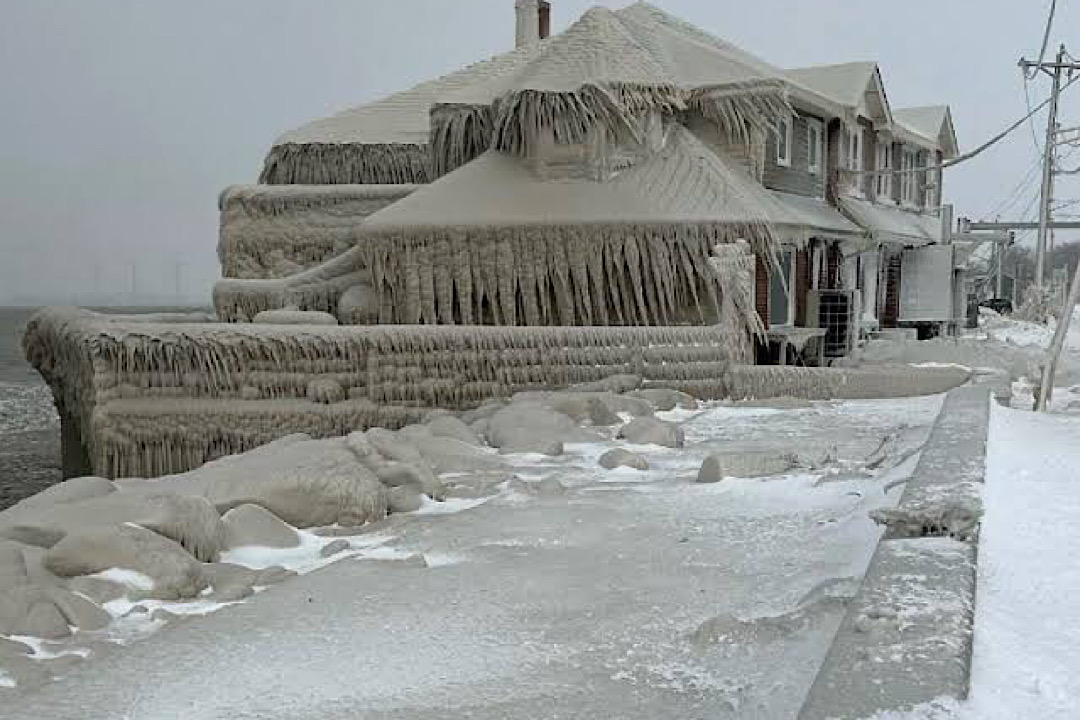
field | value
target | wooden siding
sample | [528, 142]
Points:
[796, 179]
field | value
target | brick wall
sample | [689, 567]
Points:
[802, 286]
[761, 291]
[890, 313]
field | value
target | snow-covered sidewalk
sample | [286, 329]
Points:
[1027, 618]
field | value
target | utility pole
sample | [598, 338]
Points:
[1055, 70]
[1049, 157]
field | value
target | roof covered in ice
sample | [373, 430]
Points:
[893, 225]
[639, 45]
[933, 122]
[402, 118]
[500, 189]
[815, 216]
[846, 83]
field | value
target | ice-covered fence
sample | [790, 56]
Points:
[272, 231]
[149, 398]
[881, 381]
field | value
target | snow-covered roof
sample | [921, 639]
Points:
[933, 122]
[853, 85]
[500, 189]
[639, 44]
[813, 216]
[893, 225]
[846, 83]
[643, 56]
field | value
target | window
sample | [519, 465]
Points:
[909, 181]
[783, 141]
[884, 162]
[815, 138]
[781, 291]
[854, 148]
[933, 181]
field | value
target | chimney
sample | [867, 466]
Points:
[545, 19]
[533, 21]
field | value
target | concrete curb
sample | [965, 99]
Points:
[907, 635]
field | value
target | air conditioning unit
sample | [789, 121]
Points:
[838, 312]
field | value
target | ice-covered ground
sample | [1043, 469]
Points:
[632, 594]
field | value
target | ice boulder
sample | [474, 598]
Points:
[248, 525]
[173, 573]
[533, 428]
[621, 457]
[663, 399]
[750, 464]
[650, 431]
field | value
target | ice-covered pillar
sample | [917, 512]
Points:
[528, 22]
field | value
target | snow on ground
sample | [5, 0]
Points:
[1027, 623]
[1027, 619]
[634, 594]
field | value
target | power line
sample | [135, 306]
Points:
[1046, 39]
[1031, 116]
[1017, 192]
[972, 154]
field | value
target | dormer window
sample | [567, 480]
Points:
[815, 134]
[783, 141]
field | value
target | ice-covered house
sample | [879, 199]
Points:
[594, 203]
[840, 236]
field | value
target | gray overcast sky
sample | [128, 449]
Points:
[121, 120]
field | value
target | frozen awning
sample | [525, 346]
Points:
[893, 225]
[811, 217]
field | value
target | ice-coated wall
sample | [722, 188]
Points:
[273, 231]
[147, 398]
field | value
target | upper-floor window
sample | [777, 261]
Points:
[884, 162]
[933, 183]
[909, 180]
[815, 135]
[854, 148]
[783, 141]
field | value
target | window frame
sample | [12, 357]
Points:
[815, 142]
[909, 182]
[788, 123]
[883, 185]
[854, 136]
[788, 262]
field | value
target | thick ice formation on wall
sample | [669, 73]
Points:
[277, 231]
[146, 399]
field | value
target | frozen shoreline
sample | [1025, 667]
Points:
[649, 585]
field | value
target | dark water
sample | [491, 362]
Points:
[29, 426]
